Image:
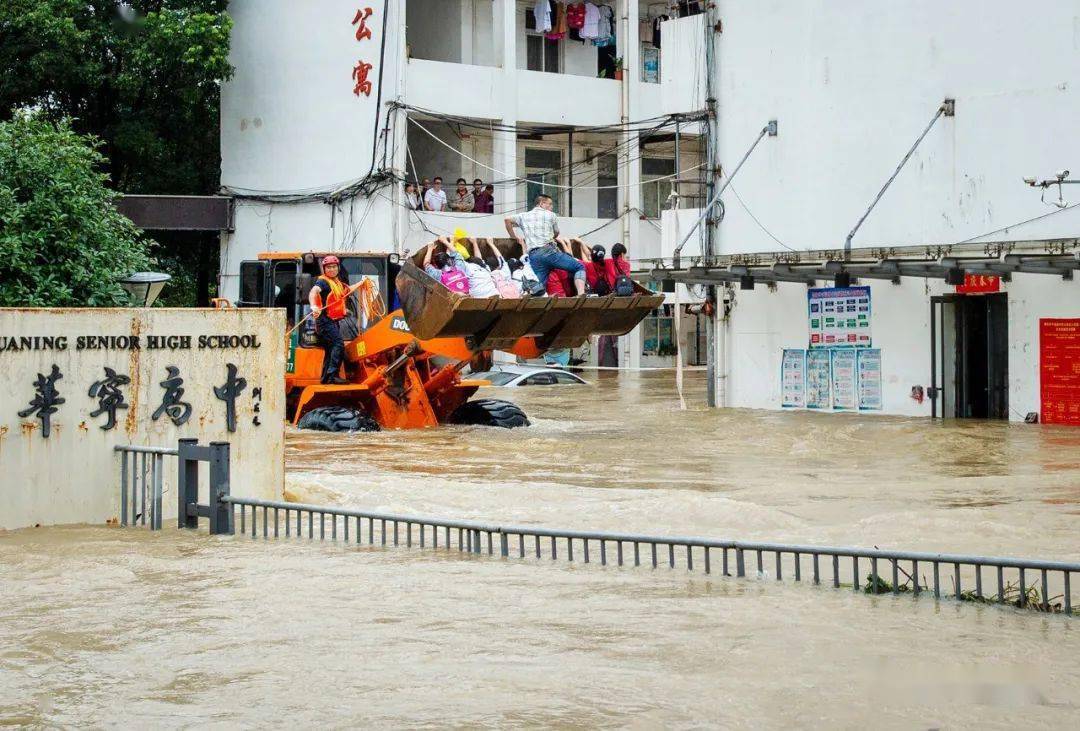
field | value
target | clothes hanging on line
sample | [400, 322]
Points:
[605, 35]
[558, 24]
[590, 30]
[656, 29]
[575, 16]
[542, 13]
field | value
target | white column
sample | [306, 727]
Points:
[504, 144]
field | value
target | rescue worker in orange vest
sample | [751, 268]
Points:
[330, 289]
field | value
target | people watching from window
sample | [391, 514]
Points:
[484, 197]
[539, 228]
[435, 198]
[461, 200]
[412, 198]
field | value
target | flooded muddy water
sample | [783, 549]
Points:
[110, 627]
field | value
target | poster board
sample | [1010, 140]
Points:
[839, 317]
[818, 386]
[842, 366]
[1059, 370]
[869, 377]
[793, 378]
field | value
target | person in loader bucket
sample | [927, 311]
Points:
[329, 289]
[539, 229]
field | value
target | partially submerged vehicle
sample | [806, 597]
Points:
[407, 339]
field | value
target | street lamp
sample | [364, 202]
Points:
[144, 287]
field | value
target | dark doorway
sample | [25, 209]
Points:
[969, 346]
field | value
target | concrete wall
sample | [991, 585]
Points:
[765, 322]
[854, 83]
[73, 475]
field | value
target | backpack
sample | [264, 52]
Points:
[455, 280]
[624, 286]
[508, 288]
[602, 288]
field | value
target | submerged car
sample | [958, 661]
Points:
[515, 375]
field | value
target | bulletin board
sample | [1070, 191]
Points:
[1059, 370]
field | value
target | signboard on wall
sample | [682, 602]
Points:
[793, 378]
[869, 375]
[818, 387]
[842, 365]
[839, 317]
[74, 383]
[979, 284]
[1059, 370]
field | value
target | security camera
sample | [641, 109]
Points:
[1062, 174]
[1029, 180]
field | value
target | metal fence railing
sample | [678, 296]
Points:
[142, 476]
[973, 578]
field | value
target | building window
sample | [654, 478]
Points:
[542, 167]
[654, 192]
[607, 198]
[541, 54]
[658, 332]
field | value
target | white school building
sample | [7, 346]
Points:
[332, 108]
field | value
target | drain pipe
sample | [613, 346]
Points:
[769, 129]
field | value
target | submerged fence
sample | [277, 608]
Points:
[817, 564]
[1030, 583]
[142, 477]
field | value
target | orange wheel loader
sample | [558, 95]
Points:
[408, 338]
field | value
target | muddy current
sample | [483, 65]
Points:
[120, 627]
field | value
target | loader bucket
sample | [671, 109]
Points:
[494, 323]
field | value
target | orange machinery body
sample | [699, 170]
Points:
[401, 382]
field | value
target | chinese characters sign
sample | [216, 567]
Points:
[1059, 371]
[979, 284]
[360, 71]
[843, 379]
[107, 394]
[839, 317]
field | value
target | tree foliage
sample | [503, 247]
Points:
[144, 76]
[62, 241]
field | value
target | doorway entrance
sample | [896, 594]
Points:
[969, 353]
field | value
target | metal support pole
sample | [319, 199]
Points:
[187, 483]
[947, 108]
[123, 489]
[221, 514]
[570, 173]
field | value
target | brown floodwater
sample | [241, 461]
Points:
[110, 627]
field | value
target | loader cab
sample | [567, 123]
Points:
[284, 281]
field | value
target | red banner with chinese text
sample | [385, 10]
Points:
[1059, 370]
[979, 284]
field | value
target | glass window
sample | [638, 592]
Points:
[541, 54]
[654, 193]
[542, 174]
[540, 379]
[563, 378]
[252, 283]
[658, 332]
[607, 198]
[497, 378]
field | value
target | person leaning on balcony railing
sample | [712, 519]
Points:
[461, 200]
[539, 228]
[435, 197]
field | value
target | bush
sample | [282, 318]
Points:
[62, 241]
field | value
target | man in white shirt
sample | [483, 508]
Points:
[435, 198]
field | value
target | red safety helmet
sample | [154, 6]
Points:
[328, 260]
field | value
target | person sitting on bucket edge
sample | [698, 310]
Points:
[539, 227]
[329, 288]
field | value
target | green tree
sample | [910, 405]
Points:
[62, 241]
[143, 76]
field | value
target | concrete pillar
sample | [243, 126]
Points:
[504, 144]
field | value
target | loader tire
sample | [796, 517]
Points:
[490, 412]
[337, 419]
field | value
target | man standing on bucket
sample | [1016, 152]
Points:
[330, 289]
[539, 227]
